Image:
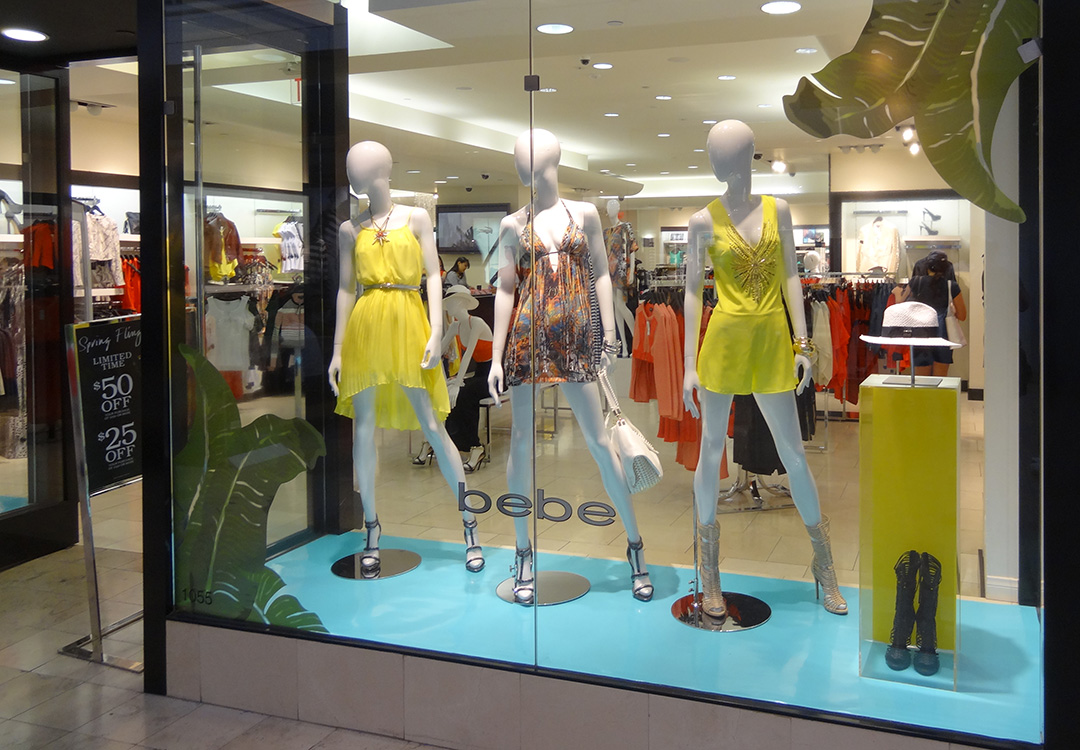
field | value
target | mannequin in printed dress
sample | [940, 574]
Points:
[621, 246]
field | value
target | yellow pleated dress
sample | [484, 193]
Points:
[747, 346]
[387, 332]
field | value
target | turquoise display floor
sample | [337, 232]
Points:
[7, 502]
[803, 656]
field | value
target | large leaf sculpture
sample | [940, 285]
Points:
[948, 63]
[225, 479]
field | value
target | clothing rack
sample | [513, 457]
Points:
[881, 212]
[88, 202]
[282, 211]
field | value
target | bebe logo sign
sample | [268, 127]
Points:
[519, 506]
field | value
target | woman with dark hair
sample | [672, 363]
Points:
[456, 275]
[933, 284]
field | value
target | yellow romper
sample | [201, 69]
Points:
[747, 346]
[387, 332]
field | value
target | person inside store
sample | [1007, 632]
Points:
[748, 349]
[456, 275]
[385, 368]
[933, 282]
[572, 323]
[469, 338]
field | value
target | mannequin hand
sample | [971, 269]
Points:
[495, 381]
[802, 362]
[691, 385]
[334, 372]
[432, 352]
[454, 386]
[607, 361]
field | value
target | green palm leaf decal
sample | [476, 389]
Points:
[947, 63]
[226, 478]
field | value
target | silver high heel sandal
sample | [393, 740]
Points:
[641, 586]
[426, 454]
[712, 598]
[823, 570]
[477, 456]
[524, 585]
[474, 554]
[369, 558]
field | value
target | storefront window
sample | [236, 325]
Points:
[374, 447]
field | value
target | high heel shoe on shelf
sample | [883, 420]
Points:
[897, 655]
[369, 559]
[640, 584]
[712, 598]
[823, 570]
[425, 455]
[477, 456]
[524, 585]
[474, 554]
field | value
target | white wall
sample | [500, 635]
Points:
[889, 169]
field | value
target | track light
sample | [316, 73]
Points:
[779, 166]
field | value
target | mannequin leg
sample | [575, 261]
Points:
[624, 320]
[365, 460]
[449, 461]
[518, 473]
[782, 417]
[715, 408]
[584, 400]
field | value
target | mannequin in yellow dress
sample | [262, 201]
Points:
[384, 370]
[747, 348]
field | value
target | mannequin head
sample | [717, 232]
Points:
[731, 150]
[368, 166]
[613, 210]
[546, 155]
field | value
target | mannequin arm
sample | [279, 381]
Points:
[477, 329]
[346, 297]
[792, 289]
[420, 223]
[698, 241]
[505, 284]
[594, 235]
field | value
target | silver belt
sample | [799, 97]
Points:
[399, 287]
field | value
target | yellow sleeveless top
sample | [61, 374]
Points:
[387, 332]
[747, 346]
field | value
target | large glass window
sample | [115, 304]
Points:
[544, 198]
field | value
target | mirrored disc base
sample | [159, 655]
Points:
[744, 612]
[392, 562]
[552, 587]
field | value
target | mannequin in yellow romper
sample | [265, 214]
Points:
[386, 348]
[747, 348]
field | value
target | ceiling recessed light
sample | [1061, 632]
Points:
[548, 90]
[914, 148]
[708, 122]
[6, 82]
[764, 106]
[779, 166]
[630, 164]
[413, 171]
[725, 78]
[805, 51]
[24, 35]
[464, 88]
[693, 166]
[603, 66]
[605, 170]
[554, 28]
[611, 114]
[614, 23]
[665, 172]
[663, 135]
[451, 176]
[699, 151]
[440, 182]
[663, 97]
[780, 7]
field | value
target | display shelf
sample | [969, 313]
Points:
[132, 238]
[260, 240]
[15, 239]
[100, 292]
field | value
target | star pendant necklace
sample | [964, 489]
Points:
[380, 232]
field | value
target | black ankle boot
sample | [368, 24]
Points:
[897, 655]
[926, 660]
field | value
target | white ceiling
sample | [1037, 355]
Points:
[440, 82]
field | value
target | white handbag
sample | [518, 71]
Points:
[953, 330]
[640, 461]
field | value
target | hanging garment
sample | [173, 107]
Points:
[132, 297]
[292, 246]
[39, 244]
[642, 378]
[747, 348]
[228, 325]
[823, 366]
[879, 247]
[104, 245]
[621, 245]
[388, 331]
[563, 316]
[221, 246]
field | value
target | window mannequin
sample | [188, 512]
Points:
[621, 245]
[386, 352]
[747, 348]
[568, 241]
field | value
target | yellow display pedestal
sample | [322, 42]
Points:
[908, 484]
